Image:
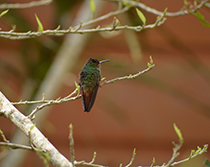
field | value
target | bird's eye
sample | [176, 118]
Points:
[94, 60]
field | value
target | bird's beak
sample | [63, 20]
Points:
[103, 61]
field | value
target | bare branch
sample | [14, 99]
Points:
[70, 98]
[16, 146]
[3, 137]
[169, 14]
[127, 77]
[198, 152]
[83, 163]
[93, 159]
[176, 146]
[36, 137]
[207, 5]
[132, 159]
[78, 29]
[52, 102]
[71, 141]
[27, 35]
[42, 146]
[25, 5]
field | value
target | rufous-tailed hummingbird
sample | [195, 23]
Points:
[89, 80]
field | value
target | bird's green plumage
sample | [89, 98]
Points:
[89, 80]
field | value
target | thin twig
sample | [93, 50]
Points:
[207, 5]
[83, 163]
[56, 32]
[27, 35]
[52, 102]
[205, 147]
[16, 146]
[24, 5]
[93, 159]
[70, 98]
[168, 14]
[174, 155]
[78, 29]
[127, 77]
[71, 141]
[153, 162]
[3, 137]
[106, 16]
[132, 159]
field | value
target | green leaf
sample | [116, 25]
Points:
[207, 163]
[70, 126]
[178, 132]
[200, 17]
[77, 86]
[59, 26]
[4, 12]
[186, 3]
[103, 78]
[134, 151]
[92, 6]
[151, 61]
[153, 160]
[58, 98]
[40, 26]
[148, 64]
[165, 10]
[13, 27]
[127, 3]
[32, 126]
[192, 153]
[204, 23]
[198, 150]
[141, 16]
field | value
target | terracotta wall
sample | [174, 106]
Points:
[129, 114]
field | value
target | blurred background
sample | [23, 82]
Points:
[129, 114]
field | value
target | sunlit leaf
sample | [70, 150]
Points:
[40, 26]
[141, 16]
[165, 10]
[153, 160]
[103, 78]
[13, 27]
[205, 23]
[151, 61]
[186, 3]
[70, 126]
[59, 26]
[77, 86]
[92, 6]
[32, 126]
[200, 17]
[192, 153]
[127, 3]
[178, 132]
[4, 12]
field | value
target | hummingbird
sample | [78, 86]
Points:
[89, 79]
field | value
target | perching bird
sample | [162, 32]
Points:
[89, 80]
